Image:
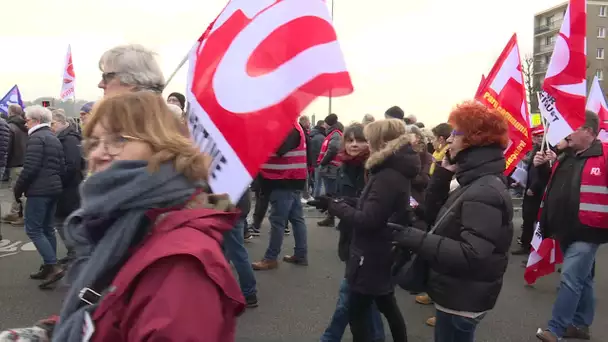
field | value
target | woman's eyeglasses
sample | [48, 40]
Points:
[112, 144]
[456, 133]
[108, 76]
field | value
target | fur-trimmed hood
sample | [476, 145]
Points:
[399, 155]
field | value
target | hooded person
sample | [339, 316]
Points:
[177, 99]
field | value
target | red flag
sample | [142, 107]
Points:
[251, 75]
[544, 256]
[563, 99]
[504, 91]
[597, 104]
[479, 91]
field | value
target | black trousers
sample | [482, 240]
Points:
[260, 208]
[358, 316]
[529, 214]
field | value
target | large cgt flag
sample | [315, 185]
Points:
[562, 101]
[504, 91]
[251, 74]
[544, 256]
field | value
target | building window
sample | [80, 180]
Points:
[549, 40]
[549, 20]
[603, 11]
[601, 32]
[600, 74]
[600, 53]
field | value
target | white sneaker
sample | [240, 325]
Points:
[304, 200]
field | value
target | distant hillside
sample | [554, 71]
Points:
[69, 107]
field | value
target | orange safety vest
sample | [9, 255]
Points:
[325, 145]
[593, 201]
[292, 165]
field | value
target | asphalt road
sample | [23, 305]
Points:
[296, 302]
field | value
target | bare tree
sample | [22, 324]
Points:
[531, 88]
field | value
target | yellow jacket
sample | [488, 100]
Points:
[438, 156]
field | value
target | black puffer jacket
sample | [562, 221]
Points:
[74, 166]
[317, 135]
[16, 154]
[468, 253]
[5, 142]
[351, 181]
[43, 167]
[384, 198]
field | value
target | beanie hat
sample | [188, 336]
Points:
[181, 98]
[87, 107]
[395, 113]
[331, 119]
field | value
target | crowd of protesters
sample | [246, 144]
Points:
[150, 246]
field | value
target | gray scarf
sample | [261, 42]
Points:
[125, 191]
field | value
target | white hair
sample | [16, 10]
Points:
[59, 116]
[175, 109]
[134, 65]
[367, 118]
[38, 113]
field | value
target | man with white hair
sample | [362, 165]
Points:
[130, 68]
[40, 181]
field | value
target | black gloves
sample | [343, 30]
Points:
[407, 237]
[321, 202]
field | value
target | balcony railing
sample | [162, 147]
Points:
[540, 68]
[555, 25]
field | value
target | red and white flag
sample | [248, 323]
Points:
[544, 256]
[67, 84]
[597, 104]
[562, 101]
[504, 91]
[251, 74]
[480, 86]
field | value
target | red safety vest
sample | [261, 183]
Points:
[593, 202]
[292, 165]
[325, 145]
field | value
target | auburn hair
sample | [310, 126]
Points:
[479, 125]
[146, 116]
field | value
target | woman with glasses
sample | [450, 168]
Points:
[468, 250]
[148, 264]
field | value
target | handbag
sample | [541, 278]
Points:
[410, 272]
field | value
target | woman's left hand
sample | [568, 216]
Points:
[321, 202]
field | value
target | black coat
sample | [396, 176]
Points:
[43, 167]
[5, 142]
[74, 171]
[385, 198]
[317, 135]
[16, 154]
[351, 181]
[468, 253]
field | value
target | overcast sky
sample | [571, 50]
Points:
[424, 56]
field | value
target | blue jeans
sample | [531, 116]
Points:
[339, 321]
[317, 186]
[575, 302]
[235, 252]
[39, 226]
[285, 206]
[454, 328]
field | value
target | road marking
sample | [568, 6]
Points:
[9, 254]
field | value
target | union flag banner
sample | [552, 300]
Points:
[562, 101]
[251, 74]
[504, 91]
[596, 102]
[67, 84]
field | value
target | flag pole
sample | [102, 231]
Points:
[181, 64]
[332, 19]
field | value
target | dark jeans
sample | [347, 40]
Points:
[60, 228]
[358, 316]
[235, 252]
[260, 209]
[454, 328]
[529, 214]
[39, 227]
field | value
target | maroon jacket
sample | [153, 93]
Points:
[177, 286]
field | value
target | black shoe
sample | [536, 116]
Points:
[327, 222]
[42, 273]
[287, 231]
[254, 231]
[251, 301]
[56, 272]
[521, 251]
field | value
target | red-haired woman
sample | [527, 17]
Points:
[468, 251]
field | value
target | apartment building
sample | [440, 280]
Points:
[546, 26]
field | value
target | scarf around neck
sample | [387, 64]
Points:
[120, 197]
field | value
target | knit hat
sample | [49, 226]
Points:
[331, 119]
[181, 98]
[395, 113]
[87, 107]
